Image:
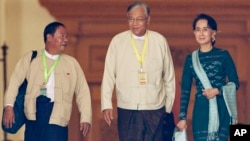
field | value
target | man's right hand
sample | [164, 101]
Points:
[108, 116]
[8, 116]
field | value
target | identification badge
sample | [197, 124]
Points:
[142, 77]
[43, 90]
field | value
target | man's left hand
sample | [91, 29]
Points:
[85, 127]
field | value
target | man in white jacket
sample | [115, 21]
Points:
[139, 66]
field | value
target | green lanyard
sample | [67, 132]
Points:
[140, 58]
[46, 72]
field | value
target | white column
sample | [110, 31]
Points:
[2, 22]
[2, 40]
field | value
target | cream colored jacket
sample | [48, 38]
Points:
[121, 74]
[69, 80]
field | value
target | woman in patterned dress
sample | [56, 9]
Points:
[220, 69]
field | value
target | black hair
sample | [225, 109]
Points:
[51, 29]
[210, 21]
[139, 3]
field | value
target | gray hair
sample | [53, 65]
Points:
[139, 3]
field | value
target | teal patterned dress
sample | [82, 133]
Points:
[220, 69]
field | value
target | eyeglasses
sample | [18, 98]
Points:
[137, 20]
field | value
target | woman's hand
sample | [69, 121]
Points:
[210, 93]
[181, 125]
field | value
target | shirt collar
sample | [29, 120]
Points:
[138, 37]
[53, 57]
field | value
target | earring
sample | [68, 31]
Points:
[213, 39]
